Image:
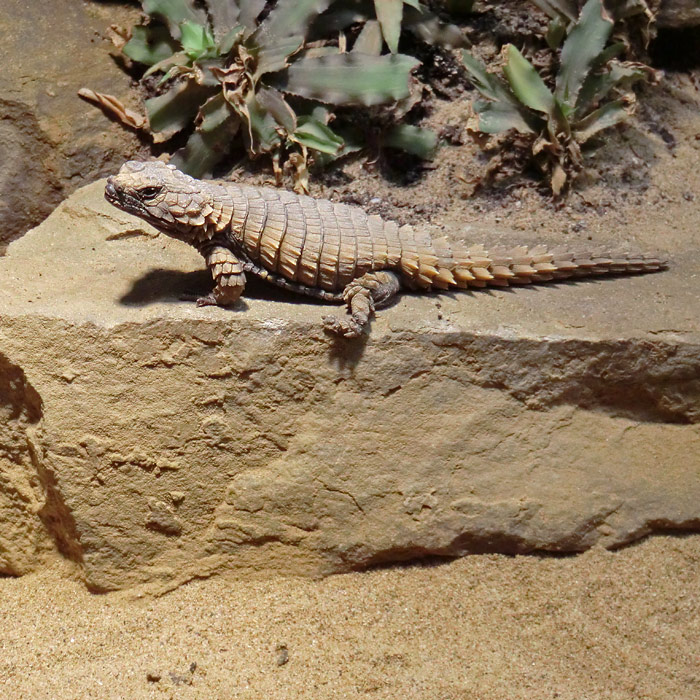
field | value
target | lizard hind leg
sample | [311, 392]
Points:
[363, 295]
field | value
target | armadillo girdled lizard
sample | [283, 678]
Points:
[335, 252]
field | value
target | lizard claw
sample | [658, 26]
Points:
[208, 300]
[347, 328]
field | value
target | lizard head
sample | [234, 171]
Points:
[175, 203]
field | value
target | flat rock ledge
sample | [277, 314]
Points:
[153, 442]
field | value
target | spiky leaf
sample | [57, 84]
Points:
[353, 141]
[497, 117]
[585, 42]
[224, 16]
[526, 83]
[606, 116]
[174, 110]
[558, 179]
[316, 135]
[150, 45]
[289, 17]
[558, 9]
[113, 107]
[174, 13]
[273, 102]
[249, 11]
[230, 39]
[389, 15]
[412, 139]
[197, 41]
[274, 57]
[556, 31]
[598, 84]
[210, 142]
[369, 40]
[167, 66]
[351, 78]
[262, 133]
[488, 84]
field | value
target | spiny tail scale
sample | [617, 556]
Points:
[440, 265]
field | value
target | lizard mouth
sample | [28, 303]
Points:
[114, 196]
[121, 199]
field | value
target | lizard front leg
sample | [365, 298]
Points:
[229, 277]
[362, 296]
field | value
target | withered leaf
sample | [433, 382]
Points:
[114, 108]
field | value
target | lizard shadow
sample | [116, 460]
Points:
[174, 286]
[169, 286]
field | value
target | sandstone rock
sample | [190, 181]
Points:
[51, 142]
[169, 441]
[679, 13]
[21, 492]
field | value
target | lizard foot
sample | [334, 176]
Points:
[362, 295]
[192, 296]
[347, 327]
[208, 300]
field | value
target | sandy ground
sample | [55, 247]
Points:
[623, 625]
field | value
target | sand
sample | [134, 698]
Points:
[622, 625]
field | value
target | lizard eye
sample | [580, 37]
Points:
[149, 192]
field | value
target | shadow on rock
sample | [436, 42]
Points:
[167, 286]
[161, 285]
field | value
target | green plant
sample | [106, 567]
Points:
[590, 93]
[394, 16]
[634, 19]
[270, 76]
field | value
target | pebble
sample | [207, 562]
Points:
[282, 654]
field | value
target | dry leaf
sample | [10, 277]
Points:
[558, 179]
[301, 172]
[118, 35]
[112, 107]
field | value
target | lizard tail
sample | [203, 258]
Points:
[439, 265]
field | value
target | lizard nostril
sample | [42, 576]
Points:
[110, 189]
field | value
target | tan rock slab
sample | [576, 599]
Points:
[176, 442]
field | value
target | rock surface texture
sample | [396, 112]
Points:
[152, 441]
[51, 142]
[679, 13]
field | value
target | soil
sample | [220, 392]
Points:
[621, 625]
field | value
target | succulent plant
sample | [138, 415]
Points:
[394, 16]
[635, 19]
[270, 73]
[591, 92]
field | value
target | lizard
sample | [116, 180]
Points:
[331, 251]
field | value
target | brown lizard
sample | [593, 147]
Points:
[335, 252]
